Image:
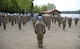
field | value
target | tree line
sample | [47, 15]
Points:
[15, 6]
[71, 12]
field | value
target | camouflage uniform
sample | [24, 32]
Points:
[48, 22]
[40, 31]
[15, 19]
[64, 23]
[52, 18]
[59, 19]
[24, 20]
[76, 21]
[44, 20]
[69, 22]
[34, 21]
[9, 17]
[55, 19]
[19, 22]
[5, 17]
[27, 18]
[4, 23]
[12, 20]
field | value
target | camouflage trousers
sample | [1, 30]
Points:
[34, 25]
[15, 21]
[4, 26]
[12, 23]
[19, 24]
[9, 19]
[40, 40]
[69, 24]
[76, 23]
[64, 26]
[59, 24]
[45, 23]
[24, 22]
[54, 21]
[48, 25]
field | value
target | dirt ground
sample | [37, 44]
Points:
[56, 38]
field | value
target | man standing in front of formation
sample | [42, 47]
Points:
[40, 31]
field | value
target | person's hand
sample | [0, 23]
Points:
[35, 32]
[44, 31]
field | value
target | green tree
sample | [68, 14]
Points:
[43, 8]
[4, 5]
[21, 5]
[14, 6]
[37, 9]
[79, 11]
[51, 6]
[24, 4]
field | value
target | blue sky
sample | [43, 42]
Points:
[62, 5]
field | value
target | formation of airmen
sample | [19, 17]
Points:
[13, 20]
[38, 25]
[45, 21]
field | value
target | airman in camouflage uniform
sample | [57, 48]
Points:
[12, 20]
[6, 18]
[40, 31]
[76, 21]
[4, 22]
[15, 19]
[44, 19]
[1, 19]
[34, 21]
[52, 18]
[24, 20]
[59, 19]
[48, 22]
[19, 22]
[64, 23]
[55, 19]
[69, 22]
[9, 18]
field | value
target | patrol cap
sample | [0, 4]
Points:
[39, 17]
